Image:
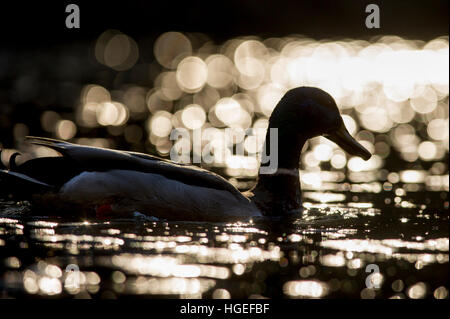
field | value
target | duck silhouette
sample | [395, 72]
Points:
[90, 179]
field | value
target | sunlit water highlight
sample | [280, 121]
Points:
[328, 253]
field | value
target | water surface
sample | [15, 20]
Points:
[368, 245]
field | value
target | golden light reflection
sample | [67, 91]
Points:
[187, 287]
[161, 124]
[173, 260]
[170, 47]
[191, 75]
[386, 246]
[66, 129]
[389, 89]
[221, 294]
[305, 289]
[116, 50]
[220, 71]
[417, 291]
[193, 116]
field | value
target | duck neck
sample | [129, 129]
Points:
[278, 188]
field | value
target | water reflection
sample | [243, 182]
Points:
[326, 254]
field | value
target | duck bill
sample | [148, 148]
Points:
[343, 138]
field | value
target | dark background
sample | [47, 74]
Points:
[41, 23]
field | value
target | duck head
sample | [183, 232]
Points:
[301, 114]
[304, 113]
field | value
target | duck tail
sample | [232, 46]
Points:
[18, 185]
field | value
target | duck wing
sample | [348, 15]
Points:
[78, 158]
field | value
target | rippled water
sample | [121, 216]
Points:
[362, 249]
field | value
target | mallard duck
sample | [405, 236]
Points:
[101, 180]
